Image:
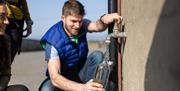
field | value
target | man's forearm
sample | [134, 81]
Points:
[98, 25]
[101, 25]
[66, 84]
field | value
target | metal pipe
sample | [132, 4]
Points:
[119, 51]
[112, 8]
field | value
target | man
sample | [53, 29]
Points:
[18, 13]
[66, 49]
[5, 57]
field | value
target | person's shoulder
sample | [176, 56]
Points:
[56, 25]
[85, 20]
[86, 23]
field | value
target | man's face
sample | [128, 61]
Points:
[72, 24]
[3, 17]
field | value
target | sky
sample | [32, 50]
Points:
[46, 13]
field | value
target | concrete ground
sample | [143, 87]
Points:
[28, 68]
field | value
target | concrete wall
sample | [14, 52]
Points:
[152, 55]
[34, 45]
[30, 45]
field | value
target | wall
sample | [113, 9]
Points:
[152, 57]
[30, 45]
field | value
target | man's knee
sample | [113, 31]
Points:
[46, 85]
[98, 56]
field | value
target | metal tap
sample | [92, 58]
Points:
[116, 33]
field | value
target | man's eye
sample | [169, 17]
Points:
[73, 21]
[2, 16]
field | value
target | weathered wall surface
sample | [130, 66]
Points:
[152, 55]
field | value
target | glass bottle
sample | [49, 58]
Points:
[102, 73]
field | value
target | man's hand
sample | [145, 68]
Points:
[93, 86]
[28, 31]
[110, 18]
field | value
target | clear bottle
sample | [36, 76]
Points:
[102, 73]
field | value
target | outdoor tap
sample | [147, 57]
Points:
[103, 69]
[115, 34]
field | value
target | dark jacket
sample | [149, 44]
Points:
[5, 61]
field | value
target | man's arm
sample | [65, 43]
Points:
[102, 23]
[63, 83]
[59, 80]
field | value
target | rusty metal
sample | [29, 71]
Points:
[119, 53]
[118, 43]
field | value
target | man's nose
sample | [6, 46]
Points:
[6, 21]
[77, 24]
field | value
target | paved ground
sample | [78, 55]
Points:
[28, 69]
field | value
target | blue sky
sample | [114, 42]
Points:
[45, 13]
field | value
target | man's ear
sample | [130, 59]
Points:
[62, 17]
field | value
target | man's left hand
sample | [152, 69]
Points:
[28, 31]
[110, 18]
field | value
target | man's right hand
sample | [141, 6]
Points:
[93, 86]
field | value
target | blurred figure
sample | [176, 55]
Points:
[5, 54]
[18, 13]
[66, 50]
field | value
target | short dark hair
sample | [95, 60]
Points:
[2, 1]
[73, 7]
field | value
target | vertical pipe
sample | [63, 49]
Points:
[112, 8]
[119, 52]
[115, 47]
[119, 7]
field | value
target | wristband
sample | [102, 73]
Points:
[102, 20]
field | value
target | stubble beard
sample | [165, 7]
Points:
[69, 32]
